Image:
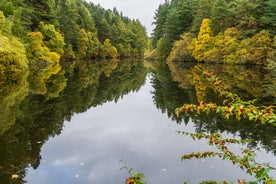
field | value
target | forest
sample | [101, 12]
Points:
[35, 35]
[215, 31]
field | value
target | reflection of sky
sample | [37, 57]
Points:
[91, 145]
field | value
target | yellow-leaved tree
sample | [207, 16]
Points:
[224, 47]
[12, 52]
[180, 51]
[82, 43]
[92, 45]
[52, 38]
[255, 49]
[230, 45]
[203, 42]
[107, 50]
[43, 63]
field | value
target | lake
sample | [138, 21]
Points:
[98, 113]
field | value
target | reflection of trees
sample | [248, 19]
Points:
[181, 84]
[257, 132]
[167, 96]
[12, 91]
[34, 119]
[246, 80]
[126, 78]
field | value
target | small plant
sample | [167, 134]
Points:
[134, 178]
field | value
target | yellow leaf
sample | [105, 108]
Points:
[14, 176]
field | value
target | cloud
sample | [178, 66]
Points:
[143, 9]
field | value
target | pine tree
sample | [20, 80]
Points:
[201, 10]
[220, 16]
[160, 19]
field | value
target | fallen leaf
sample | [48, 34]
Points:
[14, 176]
[241, 181]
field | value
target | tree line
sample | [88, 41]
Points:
[220, 31]
[44, 32]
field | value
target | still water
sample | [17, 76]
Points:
[119, 110]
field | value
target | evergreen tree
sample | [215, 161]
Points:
[160, 19]
[244, 17]
[201, 10]
[68, 17]
[267, 15]
[220, 16]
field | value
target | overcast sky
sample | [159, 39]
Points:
[135, 9]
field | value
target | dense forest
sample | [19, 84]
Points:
[38, 34]
[216, 31]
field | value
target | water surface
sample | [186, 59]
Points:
[116, 111]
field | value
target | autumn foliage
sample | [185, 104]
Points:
[232, 105]
[226, 47]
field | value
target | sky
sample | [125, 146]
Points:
[136, 9]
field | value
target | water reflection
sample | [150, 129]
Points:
[249, 81]
[131, 129]
[84, 101]
[184, 83]
[27, 122]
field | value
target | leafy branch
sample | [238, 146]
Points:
[232, 106]
[245, 160]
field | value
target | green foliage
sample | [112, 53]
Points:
[4, 24]
[12, 56]
[226, 47]
[13, 90]
[12, 52]
[28, 120]
[171, 20]
[82, 43]
[163, 48]
[92, 45]
[180, 50]
[52, 38]
[220, 16]
[267, 15]
[107, 50]
[256, 49]
[201, 10]
[254, 21]
[74, 29]
[126, 35]
[43, 63]
[160, 18]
